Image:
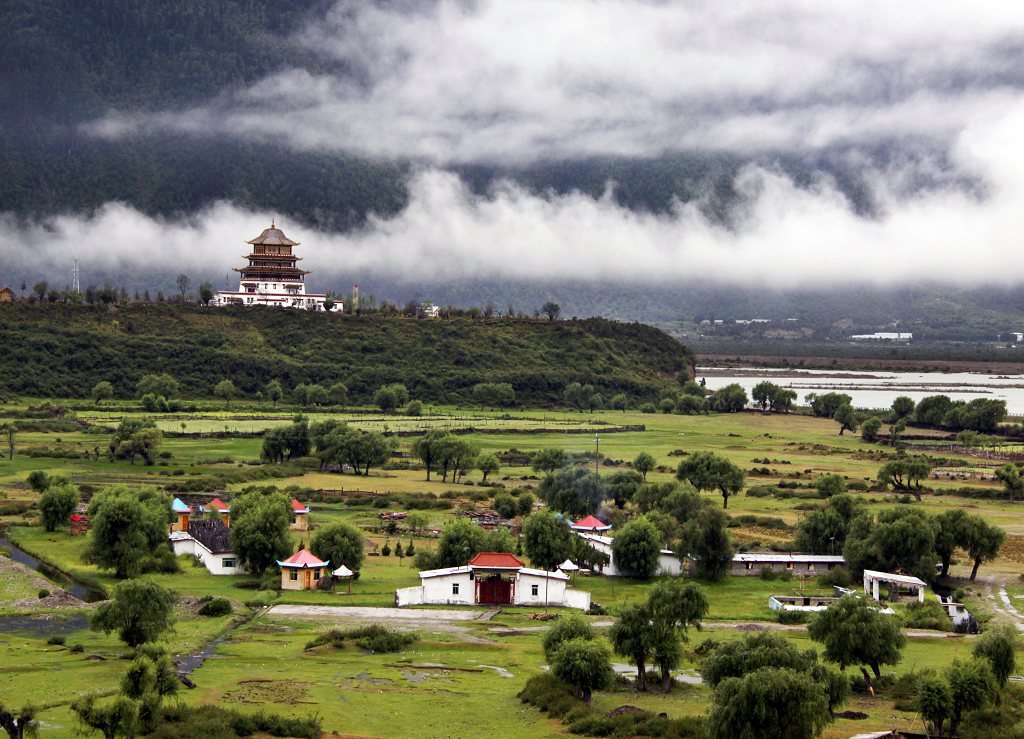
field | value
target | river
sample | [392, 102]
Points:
[82, 591]
[877, 389]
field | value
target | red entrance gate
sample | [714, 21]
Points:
[494, 590]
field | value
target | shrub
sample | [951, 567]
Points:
[381, 502]
[839, 576]
[793, 617]
[216, 607]
[56, 641]
[767, 573]
[372, 638]
[927, 615]
[43, 593]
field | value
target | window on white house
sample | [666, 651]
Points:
[810, 567]
[293, 575]
[455, 588]
[789, 565]
[535, 590]
[227, 562]
[750, 565]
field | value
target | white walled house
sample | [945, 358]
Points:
[668, 562]
[493, 578]
[210, 541]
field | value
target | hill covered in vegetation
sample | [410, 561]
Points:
[63, 350]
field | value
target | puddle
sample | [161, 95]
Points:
[502, 672]
[687, 677]
[44, 626]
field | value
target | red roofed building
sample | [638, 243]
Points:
[300, 516]
[301, 570]
[495, 561]
[221, 508]
[590, 523]
[493, 578]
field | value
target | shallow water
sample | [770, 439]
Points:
[80, 590]
[877, 389]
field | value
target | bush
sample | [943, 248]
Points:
[549, 695]
[43, 593]
[837, 577]
[381, 502]
[793, 617]
[373, 638]
[767, 573]
[56, 641]
[216, 607]
[927, 615]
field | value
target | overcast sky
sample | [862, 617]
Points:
[521, 81]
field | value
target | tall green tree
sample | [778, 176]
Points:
[846, 417]
[19, 722]
[769, 703]
[971, 685]
[853, 632]
[341, 543]
[273, 391]
[1013, 482]
[572, 626]
[583, 664]
[636, 548]
[546, 539]
[575, 491]
[161, 385]
[56, 505]
[632, 637]
[226, 391]
[127, 530]
[982, 541]
[950, 534]
[998, 645]
[101, 391]
[709, 471]
[644, 463]
[140, 611]
[902, 407]
[259, 529]
[549, 461]
[706, 540]
[674, 608]
[934, 701]
[488, 464]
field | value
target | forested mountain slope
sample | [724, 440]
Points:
[63, 350]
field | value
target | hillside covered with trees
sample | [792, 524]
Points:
[64, 350]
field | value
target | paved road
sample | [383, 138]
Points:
[357, 613]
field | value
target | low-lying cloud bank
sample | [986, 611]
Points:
[457, 81]
[781, 235]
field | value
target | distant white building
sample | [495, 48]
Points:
[493, 578]
[884, 336]
[273, 277]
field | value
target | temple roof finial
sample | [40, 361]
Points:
[273, 222]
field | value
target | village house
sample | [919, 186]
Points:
[590, 524]
[300, 516]
[273, 277]
[668, 562]
[220, 508]
[6, 295]
[751, 564]
[744, 564]
[493, 579]
[302, 570]
[210, 542]
[182, 512]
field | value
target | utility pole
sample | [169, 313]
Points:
[76, 286]
[597, 456]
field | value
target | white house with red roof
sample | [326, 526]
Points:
[493, 579]
[301, 570]
[668, 561]
[300, 516]
[591, 524]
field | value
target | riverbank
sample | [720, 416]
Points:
[857, 364]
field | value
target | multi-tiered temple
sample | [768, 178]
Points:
[273, 277]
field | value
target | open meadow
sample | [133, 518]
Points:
[460, 677]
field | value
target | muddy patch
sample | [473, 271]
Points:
[268, 691]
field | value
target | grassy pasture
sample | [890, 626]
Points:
[264, 664]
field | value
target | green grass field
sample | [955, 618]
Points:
[263, 664]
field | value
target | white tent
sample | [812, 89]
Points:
[346, 573]
[568, 566]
